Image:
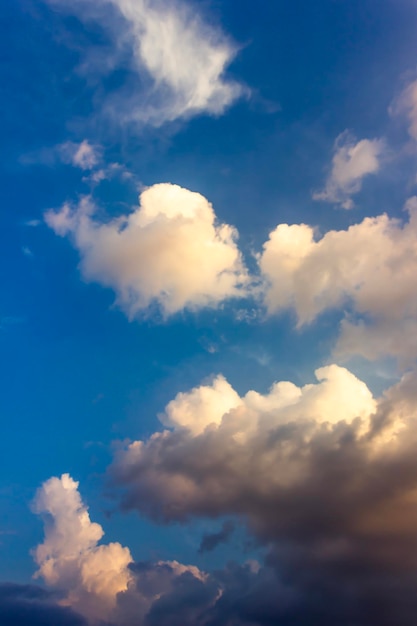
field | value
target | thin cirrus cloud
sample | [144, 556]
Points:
[170, 251]
[368, 270]
[177, 62]
[352, 162]
[325, 478]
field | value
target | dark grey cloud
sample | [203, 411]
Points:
[210, 541]
[30, 605]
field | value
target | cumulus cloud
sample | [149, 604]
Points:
[369, 270]
[170, 251]
[352, 161]
[177, 60]
[101, 581]
[259, 446]
[71, 559]
[324, 475]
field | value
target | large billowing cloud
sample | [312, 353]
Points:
[177, 61]
[352, 161]
[369, 271]
[324, 475]
[170, 251]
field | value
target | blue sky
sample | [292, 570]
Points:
[125, 295]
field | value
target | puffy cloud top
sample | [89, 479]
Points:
[370, 269]
[169, 251]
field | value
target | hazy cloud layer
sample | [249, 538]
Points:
[352, 161]
[369, 270]
[175, 60]
[170, 251]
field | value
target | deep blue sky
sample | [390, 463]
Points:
[76, 374]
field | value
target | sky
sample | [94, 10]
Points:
[208, 313]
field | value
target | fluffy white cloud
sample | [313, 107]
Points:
[71, 559]
[369, 270]
[170, 251]
[352, 161]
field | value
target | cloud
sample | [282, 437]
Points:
[170, 251]
[71, 559]
[210, 541]
[82, 155]
[29, 605]
[369, 270]
[101, 581]
[176, 61]
[406, 104]
[252, 449]
[324, 476]
[352, 161]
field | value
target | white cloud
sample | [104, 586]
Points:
[169, 251]
[82, 155]
[352, 161]
[406, 104]
[369, 270]
[101, 581]
[179, 59]
[70, 558]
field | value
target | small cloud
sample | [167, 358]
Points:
[352, 161]
[82, 155]
[27, 251]
[32, 223]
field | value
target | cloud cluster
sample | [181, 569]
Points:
[352, 162]
[100, 581]
[368, 270]
[324, 475]
[170, 251]
[175, 60]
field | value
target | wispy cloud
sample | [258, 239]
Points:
[370, 270]
[175, 59]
